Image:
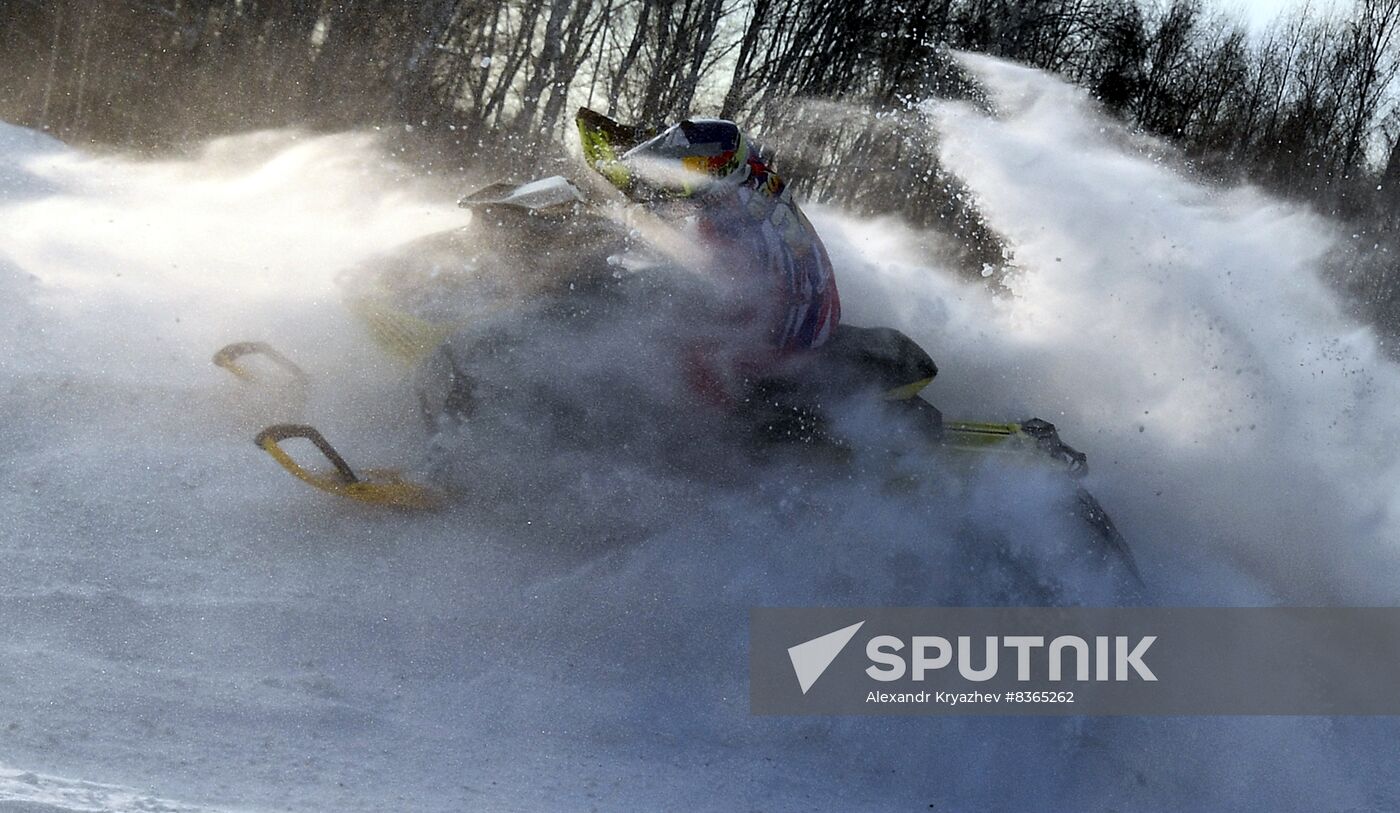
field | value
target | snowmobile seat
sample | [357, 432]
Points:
[876, 361]
[862, 358]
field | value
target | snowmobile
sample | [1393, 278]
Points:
[461, 306]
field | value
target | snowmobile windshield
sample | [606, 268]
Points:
[687, 159]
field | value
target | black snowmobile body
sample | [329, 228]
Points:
[590, 282]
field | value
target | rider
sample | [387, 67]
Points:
[705, 176]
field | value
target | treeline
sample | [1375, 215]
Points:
[1303, 108]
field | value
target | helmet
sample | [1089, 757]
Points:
[684, 160]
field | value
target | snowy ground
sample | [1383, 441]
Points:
[180, 620]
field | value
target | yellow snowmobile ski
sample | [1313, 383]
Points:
[274, 389]
[385, 487]
[230, 357]
[376, 486]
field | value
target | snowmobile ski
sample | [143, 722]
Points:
[377, 486]
[230, 357]
[275, 388]
[385, 487]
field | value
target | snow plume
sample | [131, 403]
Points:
[1183, 333]
[184, 618]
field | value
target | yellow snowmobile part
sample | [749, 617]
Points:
[604, 141]
[384, 487]
[402, 334]
[907, 391]
[230, 355]
[976, 435]
[1034, 439]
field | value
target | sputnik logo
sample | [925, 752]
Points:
[810, 659]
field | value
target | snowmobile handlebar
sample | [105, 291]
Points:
[1047, 438]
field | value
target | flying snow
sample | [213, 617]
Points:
[184, 619]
